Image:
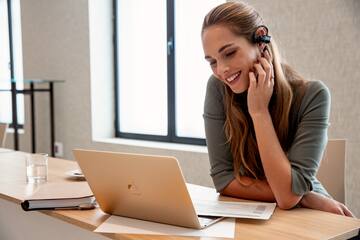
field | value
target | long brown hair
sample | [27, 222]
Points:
[289, 87]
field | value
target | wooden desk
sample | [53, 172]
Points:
[294, 224]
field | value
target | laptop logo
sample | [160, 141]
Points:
[133, 189]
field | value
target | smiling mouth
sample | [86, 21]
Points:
[233, 77]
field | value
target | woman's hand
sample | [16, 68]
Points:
[319, 202]
[260, 89]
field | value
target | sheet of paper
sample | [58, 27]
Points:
[201, 192]
[209, 203]
[254, 210]
[115, 224]
[5, 150]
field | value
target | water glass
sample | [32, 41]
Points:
[37, 168]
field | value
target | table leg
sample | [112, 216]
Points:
[14, 114]
[32, 112]
[52, 123]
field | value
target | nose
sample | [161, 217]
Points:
[222, 69]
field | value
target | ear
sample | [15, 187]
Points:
[261, 31]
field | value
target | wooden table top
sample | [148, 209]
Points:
[300, 223]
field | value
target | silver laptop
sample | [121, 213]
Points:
[139, 186]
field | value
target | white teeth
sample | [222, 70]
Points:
[230, 79]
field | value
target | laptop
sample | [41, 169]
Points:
[145, 187]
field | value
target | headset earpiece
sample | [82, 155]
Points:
[261, 39]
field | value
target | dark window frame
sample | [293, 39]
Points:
[171, 137]
[12, 72]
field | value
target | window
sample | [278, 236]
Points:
[10, 59]
[161, 74]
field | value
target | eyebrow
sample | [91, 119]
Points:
[221, 49]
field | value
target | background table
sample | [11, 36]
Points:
[31, 92]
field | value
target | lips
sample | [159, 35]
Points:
[233, 77]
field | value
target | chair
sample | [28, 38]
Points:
[331, 172]
[3, 128]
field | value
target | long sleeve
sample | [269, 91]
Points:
[221, 161]
[310, 139]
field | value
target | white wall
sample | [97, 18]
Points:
[318, 38]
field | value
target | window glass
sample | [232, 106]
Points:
[5, 71]
[149, 82]
[142, 57]
[192, 71]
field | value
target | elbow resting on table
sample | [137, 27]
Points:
[289, 202]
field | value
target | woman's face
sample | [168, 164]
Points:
[230, 57]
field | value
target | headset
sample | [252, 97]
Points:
[261, 39]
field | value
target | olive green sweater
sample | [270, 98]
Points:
[306, 150]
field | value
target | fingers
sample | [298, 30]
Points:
[266, 66]
[269, 58]
[252, 82]
[346, 211]
[261, 74]
[265, 70]
[341, 209]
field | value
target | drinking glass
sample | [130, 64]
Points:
[36, 167]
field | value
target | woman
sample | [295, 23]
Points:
[266, 127]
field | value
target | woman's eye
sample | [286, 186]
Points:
[230, 53]
[212, 64]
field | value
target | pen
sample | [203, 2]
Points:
[85, 206]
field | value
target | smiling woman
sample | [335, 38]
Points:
[266, 126]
